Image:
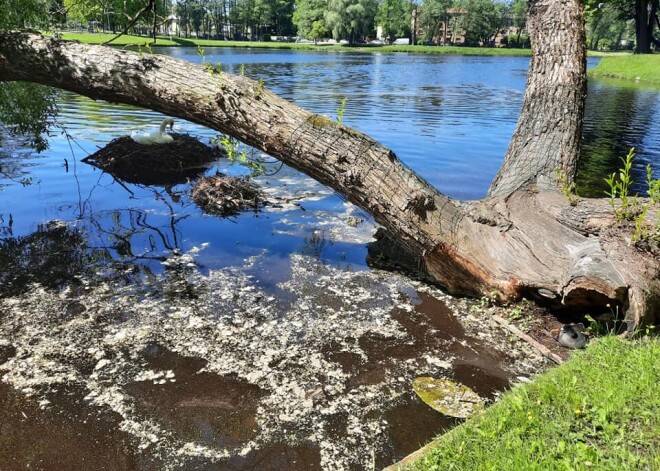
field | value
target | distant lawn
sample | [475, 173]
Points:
[640, 67]
[98, 38]
[128, 40]
[600, 411]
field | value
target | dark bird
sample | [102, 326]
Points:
[571, 336]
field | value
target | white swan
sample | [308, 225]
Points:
[155, 137]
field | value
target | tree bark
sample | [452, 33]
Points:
[524, 240]
[642, 36]
[546, 141]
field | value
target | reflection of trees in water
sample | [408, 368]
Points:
[122, 245]
[136, 242]
[315, 243]
[53, 256]
[617, 118]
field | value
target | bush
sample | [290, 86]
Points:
[513, 41]
[264, 38]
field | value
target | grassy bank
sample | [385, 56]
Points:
[641, 68]
[126, 40]
[599, 411]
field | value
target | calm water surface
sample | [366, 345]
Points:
[448, 117]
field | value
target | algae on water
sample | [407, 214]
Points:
[448, 397]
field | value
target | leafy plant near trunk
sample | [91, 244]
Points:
[240, 155]
[568, 189]
[630, 208]
[619, 183]
[341, 110]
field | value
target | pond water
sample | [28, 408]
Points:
[164, 306]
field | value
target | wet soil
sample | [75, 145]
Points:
[61, 434]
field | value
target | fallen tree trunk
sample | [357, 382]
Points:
[524, 240]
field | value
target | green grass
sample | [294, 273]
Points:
[600, 410]
[98, 38]
[640, 67]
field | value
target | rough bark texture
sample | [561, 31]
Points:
[547, 139]
[525, 240]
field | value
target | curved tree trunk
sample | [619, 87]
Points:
[524, 240]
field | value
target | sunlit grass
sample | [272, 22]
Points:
[599, 411]
[129, 40]
[638, 67]
[99, 38]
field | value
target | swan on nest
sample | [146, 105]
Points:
[155, 137]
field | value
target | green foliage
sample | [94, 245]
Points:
[341, 110]
[482, 20]
[605, 26]
[593, 412]
[319, 30]
[259, 88]
[308, 18]
[113, 15]
[433, 13]
[654, 185]
[239, 154]
[568, 189]
[28, 109]
[619, 187]
[23, 13]
[518, 14]
[394, 17]
[629, 208]
[350, 19]
[620, 13]
[518, 40]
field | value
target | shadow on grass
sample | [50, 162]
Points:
[183, 42]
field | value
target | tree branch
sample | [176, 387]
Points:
[150, 5]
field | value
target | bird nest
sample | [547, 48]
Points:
[226, 196]
[157, 164]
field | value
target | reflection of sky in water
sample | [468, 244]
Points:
[428, 109]
[448, 117]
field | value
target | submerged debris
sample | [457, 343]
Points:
[227, 196]
[157, 164]
[448, 397]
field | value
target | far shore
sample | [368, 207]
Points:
[644, 69]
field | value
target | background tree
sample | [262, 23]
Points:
[394, 17]
[644, 13]
[604, 23]
[481, 20]
[282, 19]
[518, 13]
[23, 13]
[351, 19]
[433, 19]
[26, 109]
[308, 16]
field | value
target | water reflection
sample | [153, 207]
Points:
[622, 116]
[53, 256]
